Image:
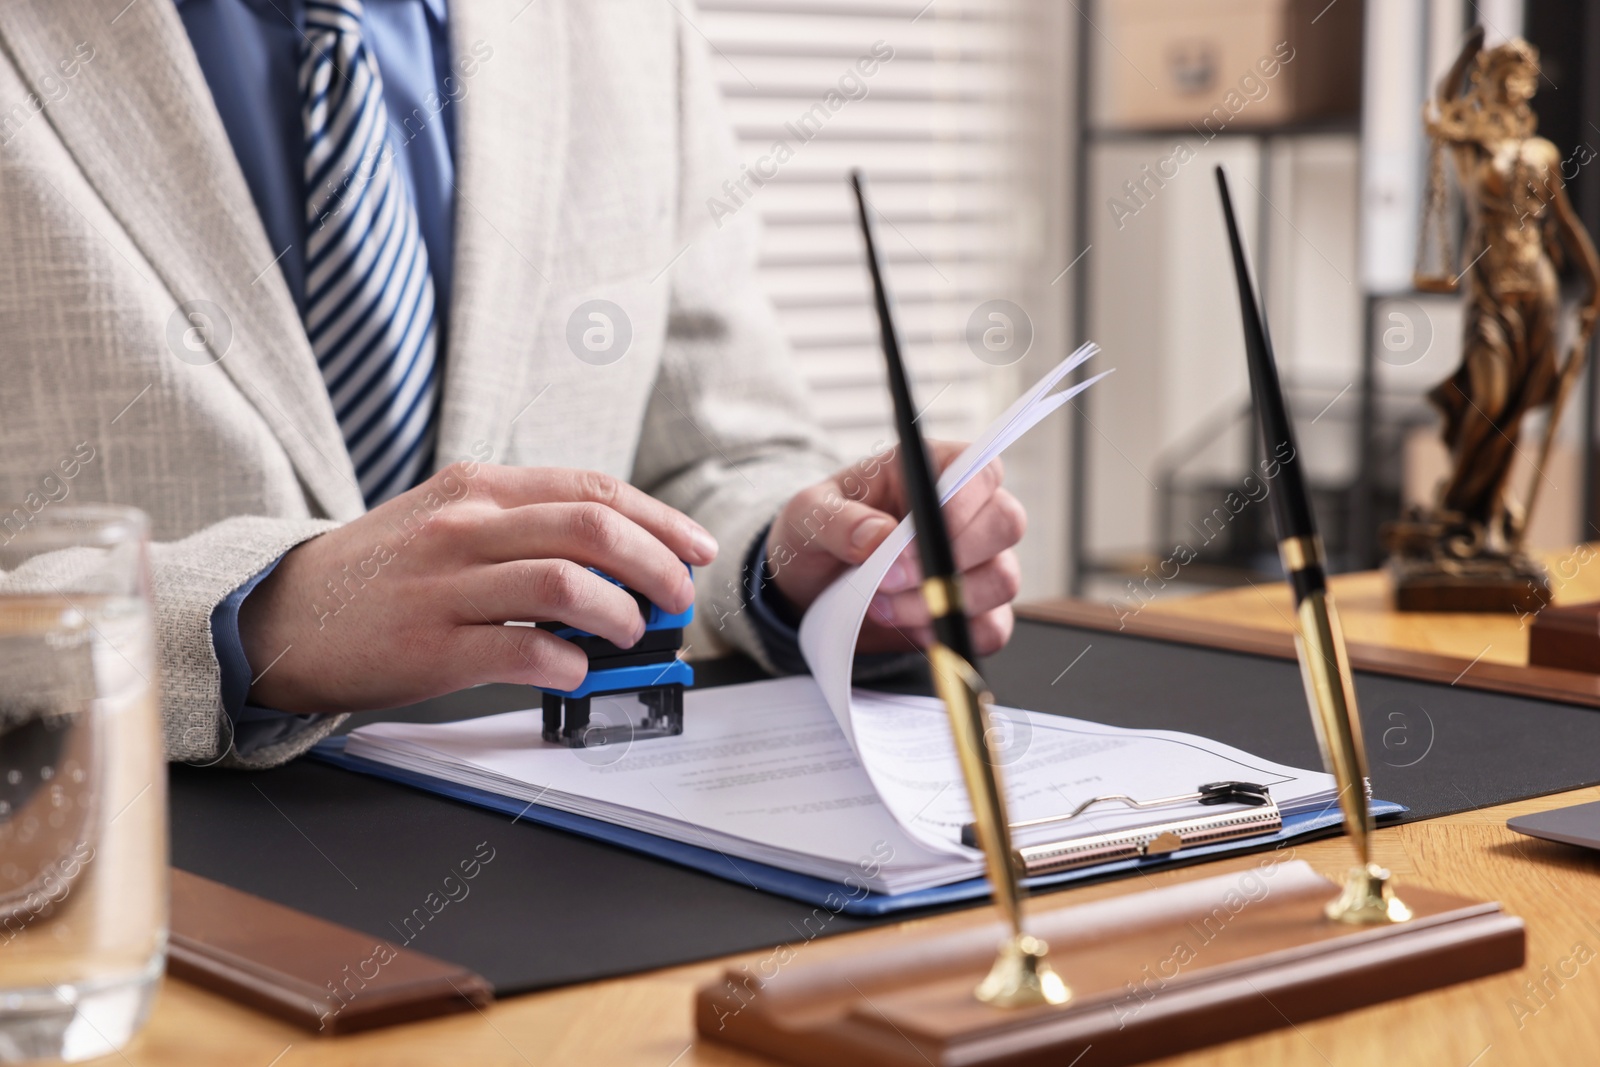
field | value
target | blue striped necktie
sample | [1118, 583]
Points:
[369, 290]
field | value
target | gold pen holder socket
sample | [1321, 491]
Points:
[1368, 899]
[1021, 976]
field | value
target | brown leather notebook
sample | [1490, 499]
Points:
[325, 977]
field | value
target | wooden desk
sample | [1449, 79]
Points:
[1548, 1013]
[1363, 601]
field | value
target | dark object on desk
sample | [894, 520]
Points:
[1567, 638]
[653, 670]
[245, 828]
[306, 970]
[1225, 972]
[1576, 825]
[1423, 581]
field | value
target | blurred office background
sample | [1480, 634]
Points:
[1043, 168]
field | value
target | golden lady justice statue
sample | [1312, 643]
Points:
[1466, 553]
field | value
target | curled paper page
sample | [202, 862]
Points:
[831, 626]
[833, 622]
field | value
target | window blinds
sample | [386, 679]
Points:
[935, 102]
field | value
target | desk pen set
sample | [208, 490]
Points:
[1049, 995]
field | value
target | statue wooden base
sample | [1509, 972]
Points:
[1152, 974]
[1567, 637]
[1513, 584]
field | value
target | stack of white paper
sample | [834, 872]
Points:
[763, 772]
[811, 776]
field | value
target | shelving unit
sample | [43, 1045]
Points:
[1249, 547]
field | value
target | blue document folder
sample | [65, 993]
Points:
[833, 896]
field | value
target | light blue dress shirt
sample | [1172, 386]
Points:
[249, 51]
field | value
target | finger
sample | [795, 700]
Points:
[969, 500]
[514, 654]
[594, 535]
[549, 590]
[873, 480]
[877, 481]
[514, 487]
[966, 510]
[819, 518]
[878, 638]
[991, 630]
[999, 526]
[973, 497]
[986, 587]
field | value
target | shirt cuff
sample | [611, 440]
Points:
[777, 624]
[254, 728]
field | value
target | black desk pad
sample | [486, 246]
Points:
[548, 908]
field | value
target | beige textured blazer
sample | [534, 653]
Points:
[589, 142]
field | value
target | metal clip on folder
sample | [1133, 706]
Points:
[653, 668]
[1260, 816]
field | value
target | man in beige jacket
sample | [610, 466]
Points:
[395, 317]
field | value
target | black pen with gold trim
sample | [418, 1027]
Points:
[941, 582]
[1021, 976]
[1324, 662]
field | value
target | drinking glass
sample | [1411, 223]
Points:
[83, 809]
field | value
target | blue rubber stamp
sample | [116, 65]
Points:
[653, 668]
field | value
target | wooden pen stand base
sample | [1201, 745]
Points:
[1152, 974]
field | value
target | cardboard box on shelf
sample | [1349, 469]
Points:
[1217, 65]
